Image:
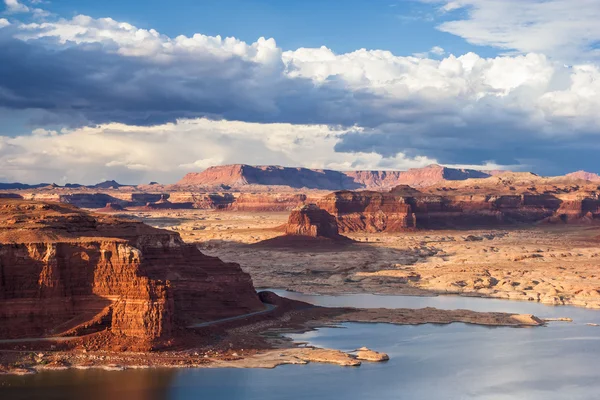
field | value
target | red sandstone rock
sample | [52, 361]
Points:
[268, 175]
[63, 269]
[586, 176]
[267, 202]
[404, 208]
[111, 207]
[369, 211]
[310, 220]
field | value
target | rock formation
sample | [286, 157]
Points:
[310, 220]
[584, 175]
[369, 211]
[111, 208]
[268, 175]
[406, 208]
[66, 271]
[268, 202]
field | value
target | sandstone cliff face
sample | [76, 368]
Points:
[369, 211]
[404, 208]
[64, 271]
[267, 202]
[310, 220]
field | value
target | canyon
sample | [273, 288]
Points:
[68, 272]
[165, 268]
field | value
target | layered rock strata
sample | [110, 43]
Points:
[368, 211]
[310, 220]
[404, 208]
[64, 271]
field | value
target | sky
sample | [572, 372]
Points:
[149, 91]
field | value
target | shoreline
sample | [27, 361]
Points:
[277, 348]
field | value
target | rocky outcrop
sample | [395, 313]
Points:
[268, 201]
[584, 175]
[63, 270]
[406, 208]
[111, 208]
[310, 220]
[369, 211]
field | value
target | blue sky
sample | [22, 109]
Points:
[403, 27]
[92, 90]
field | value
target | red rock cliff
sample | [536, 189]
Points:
[369, 211]
[405, 208]
[62, 269]
[310, 220]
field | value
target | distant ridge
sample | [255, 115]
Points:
[586, 176]
[23, 186]
[237, 175]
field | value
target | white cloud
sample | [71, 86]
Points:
[166, 152]
[413, 110]
[13, 6]
[437, 50]
[565, 29]
[4, 22]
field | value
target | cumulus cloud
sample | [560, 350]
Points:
[13, 6]
[566, 29]
[378, 109]
[166, 152]
[16, 7]
[4, 22]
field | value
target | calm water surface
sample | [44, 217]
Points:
[457, 361]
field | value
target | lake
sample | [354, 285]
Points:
[457, 361]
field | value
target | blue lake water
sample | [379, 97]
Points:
[457, 361]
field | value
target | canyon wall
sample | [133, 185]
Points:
[310, 220]
[65, 271]
[368, 211]
[400, 210]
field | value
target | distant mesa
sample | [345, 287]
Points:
[111, 207]
[584, 175]
[21, 186]
[107, 185]
[237, 175]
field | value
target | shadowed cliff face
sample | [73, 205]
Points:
[405, 208]
[310, 220]
[65, 271]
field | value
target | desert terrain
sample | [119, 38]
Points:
[112, 276]
[545, 263]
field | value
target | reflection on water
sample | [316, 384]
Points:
[578, 314]
[144, 384]
[457, 361]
